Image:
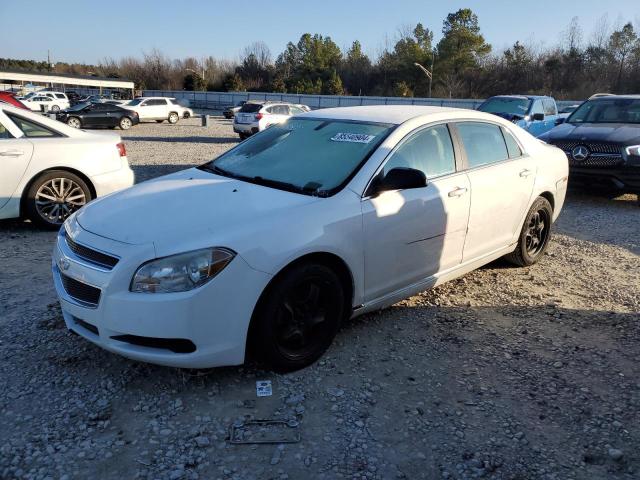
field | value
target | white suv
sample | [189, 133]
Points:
[158, 109]
[49, 100]
[254, 117]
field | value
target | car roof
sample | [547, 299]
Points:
[613, 97]
[529, 97]
[393, 114]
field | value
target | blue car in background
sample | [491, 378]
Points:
[536, 114]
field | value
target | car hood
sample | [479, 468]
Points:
[186, 208]
[621, 133]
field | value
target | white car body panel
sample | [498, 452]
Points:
[93, 155]
[157, 112]
[394, 245]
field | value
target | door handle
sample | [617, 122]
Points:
[457, 192]
[525, 173]
[11, 153]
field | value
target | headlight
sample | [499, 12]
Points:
[182, 272]
[633, 150]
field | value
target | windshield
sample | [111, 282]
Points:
[311, 156]
[78, 106]
[607, 110]
[135, 101]
[513, 106]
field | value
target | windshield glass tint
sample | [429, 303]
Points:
[514, 106]
[250, 107]
[311, 154]
[611, 110]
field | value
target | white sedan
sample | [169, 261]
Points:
[327, 216]
[49, 170]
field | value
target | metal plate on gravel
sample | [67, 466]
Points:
[265, 431]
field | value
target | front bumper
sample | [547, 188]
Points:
[213, 318]
[625, 178]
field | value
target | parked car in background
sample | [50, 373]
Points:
[50, 170]
[568, 109]
[11, 99]
[229, 112]
[40, 103]
[534, 113]
[327, 216]
[158, 109]
[601, 140]
[253, 116]
[98, 115]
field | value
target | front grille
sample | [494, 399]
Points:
[92, 256]
[596, 161]
[81, 292]
[594, 147]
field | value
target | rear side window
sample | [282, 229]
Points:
[32, 129]
[60, 95]
[251, 108]
[279, 110]
[429, 150]
[483, 143]
[512, 146]
[156, 102]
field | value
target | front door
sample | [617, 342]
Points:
[412, 234]
[15, 154]
[501, 184]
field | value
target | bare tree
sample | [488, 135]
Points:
[260, 52]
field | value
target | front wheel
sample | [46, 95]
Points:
[55, 109]
[535, 234]
[54, 196]
[125, 123]
[186, 115]
[74, 122]
[173, 118]
[299, 317]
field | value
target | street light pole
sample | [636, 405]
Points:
[427, 73]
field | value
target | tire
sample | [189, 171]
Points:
[173, 118]
[186, 115]
[298, 317]
[535, 234]
[243, 136]
[55, 109]
[125, 123]
[159, 121]
[74, 122]
[55, 195]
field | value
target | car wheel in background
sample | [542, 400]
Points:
[535, 234]
[55, 195]
[298, 317]
[125, 123]
[243, 136]
[55, 109]
[159, 121]
[173, 118]
[74, 122]
[186, 115]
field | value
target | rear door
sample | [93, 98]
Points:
[412, 234]
[501, 179]
[15, 155]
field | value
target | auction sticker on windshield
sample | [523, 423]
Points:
[353, 137]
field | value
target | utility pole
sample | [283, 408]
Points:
[428, 73]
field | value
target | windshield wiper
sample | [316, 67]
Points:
[267, 182]
[213, 168]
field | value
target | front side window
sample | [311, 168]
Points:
[60, 95]
[537, 107]
[483, 143]
[32, 129]
[312, 156]
[429, 150]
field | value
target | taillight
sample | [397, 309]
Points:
[121, 149]
[259, 116]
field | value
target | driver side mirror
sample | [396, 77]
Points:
[400, 178]
[538, 116]
[560, 121]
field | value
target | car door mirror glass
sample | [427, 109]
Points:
[401, 178]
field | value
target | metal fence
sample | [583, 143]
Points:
[219, 100]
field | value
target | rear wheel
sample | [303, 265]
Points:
[535, 234]
[125, 123]
[186, 115]
[74, 122]
[243, 136]
[299, 317]
[173, 118]
[55, 109]
[54, 196]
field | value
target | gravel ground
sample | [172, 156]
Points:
[505, 373]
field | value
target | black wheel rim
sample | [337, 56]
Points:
[537, 232]
[303, 318]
